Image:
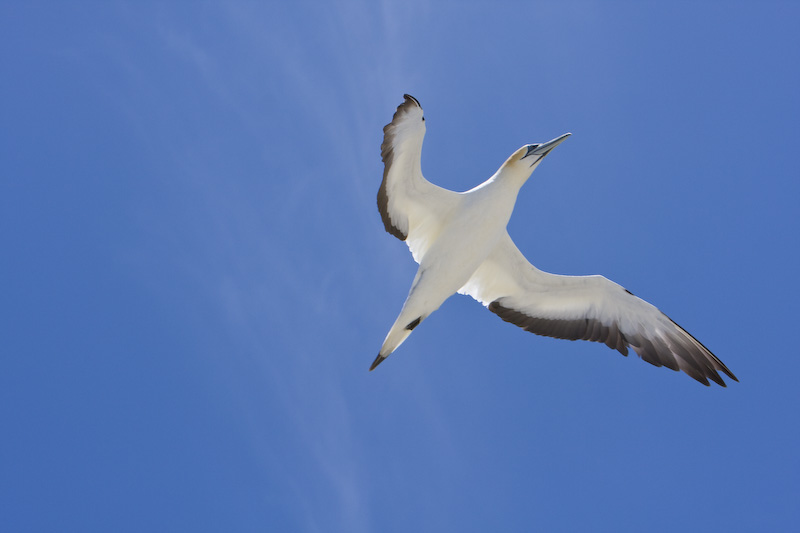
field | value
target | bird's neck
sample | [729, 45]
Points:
[512, 177]
[495, 198]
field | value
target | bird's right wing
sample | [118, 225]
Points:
[589, 308]
[412, 208]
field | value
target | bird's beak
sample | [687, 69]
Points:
[543, 149]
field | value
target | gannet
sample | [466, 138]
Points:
[462, 246]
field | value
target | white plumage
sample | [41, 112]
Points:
[461, 244]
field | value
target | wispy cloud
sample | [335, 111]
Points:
[277, 243]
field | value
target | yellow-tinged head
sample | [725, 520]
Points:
[527, 158]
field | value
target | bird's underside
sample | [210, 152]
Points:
[461, 244]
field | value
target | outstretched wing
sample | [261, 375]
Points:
[412, 208]
[588, 308]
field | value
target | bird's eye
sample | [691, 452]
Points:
[423, 119]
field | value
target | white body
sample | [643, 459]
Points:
[459, 241]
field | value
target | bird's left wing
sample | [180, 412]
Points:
[589, 308]
[412, 208]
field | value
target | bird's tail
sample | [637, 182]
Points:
[400, 331]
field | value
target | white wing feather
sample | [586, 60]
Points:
[588, 308]
[412, 208]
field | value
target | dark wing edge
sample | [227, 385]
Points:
[387, 156]
[679, 350]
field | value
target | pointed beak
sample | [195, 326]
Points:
[545, 148]
[542, 150]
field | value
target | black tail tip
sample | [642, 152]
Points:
[378, 360]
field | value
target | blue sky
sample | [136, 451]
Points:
[196, 276]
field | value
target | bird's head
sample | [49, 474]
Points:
[525, 160]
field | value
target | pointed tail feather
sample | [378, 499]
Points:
[395, 338]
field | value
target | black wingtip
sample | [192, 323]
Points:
[378, 360]
[409, 97]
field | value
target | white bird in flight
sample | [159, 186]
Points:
[461, 244]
